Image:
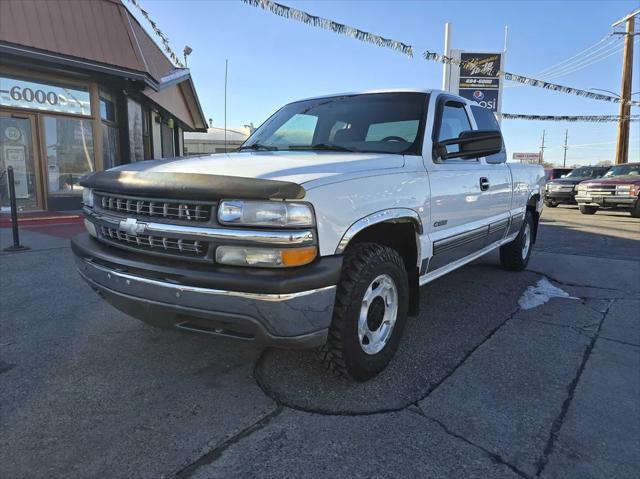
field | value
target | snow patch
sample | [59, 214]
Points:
[541, 293]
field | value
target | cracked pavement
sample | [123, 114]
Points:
[478, 388]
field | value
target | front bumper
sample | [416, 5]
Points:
[606, 200]
[196, 300]
[560, 196]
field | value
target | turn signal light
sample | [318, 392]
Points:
[298, 256]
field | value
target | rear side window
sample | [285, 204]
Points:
[485, 119]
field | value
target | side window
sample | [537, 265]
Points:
[454, 121]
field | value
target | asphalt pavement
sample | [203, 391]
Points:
[483, 385]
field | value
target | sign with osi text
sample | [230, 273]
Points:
[477, 78]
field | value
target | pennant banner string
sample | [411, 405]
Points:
[572, 118]
[529, 81]
[165, 41]
[304, 17]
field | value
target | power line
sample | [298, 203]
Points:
[611, 47]
[587, 63]
[607, 38]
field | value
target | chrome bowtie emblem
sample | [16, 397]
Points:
[132, 227]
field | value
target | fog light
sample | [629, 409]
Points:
[91, 228]
[87, 197]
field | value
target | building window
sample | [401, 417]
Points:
[69, 146]
[136, 138]
[109, 118]
[168, 144]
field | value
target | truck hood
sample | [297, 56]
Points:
[568, 181]
[615, 180]
[292, 166]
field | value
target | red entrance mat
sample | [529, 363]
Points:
[41, 218]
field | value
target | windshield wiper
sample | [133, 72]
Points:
[256, 147]
[321, 146]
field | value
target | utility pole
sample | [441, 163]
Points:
[226, 67]
[622, 147]
[542, 147]
[566, 135]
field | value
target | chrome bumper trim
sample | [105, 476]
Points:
[111, 273]
[264, 237]
[279, 315]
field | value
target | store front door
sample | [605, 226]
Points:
[18, 149]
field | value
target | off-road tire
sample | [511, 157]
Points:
[588, 210]
[551, 204]
[342, 353]
[511, 254]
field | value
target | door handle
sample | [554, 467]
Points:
[484, 184]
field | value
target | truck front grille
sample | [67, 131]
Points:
[172, 246]
[146, 207]
[601, 189]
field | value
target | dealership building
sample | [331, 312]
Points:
[83, 88]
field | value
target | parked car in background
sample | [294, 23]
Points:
[619, 187]
[319, 231]
[563, 190]
[555, 173]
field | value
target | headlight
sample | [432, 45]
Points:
[87, 197]
[265, 213]
[265, 257]
[631, 190]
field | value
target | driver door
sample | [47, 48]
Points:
[459, 211]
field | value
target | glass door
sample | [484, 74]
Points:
[17, 149]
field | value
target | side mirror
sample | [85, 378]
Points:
[472, 144]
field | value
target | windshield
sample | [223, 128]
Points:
[376, 122]
[584, 172]
[623, 170]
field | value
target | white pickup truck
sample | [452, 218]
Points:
[319, 230]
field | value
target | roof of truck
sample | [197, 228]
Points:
[390, 90]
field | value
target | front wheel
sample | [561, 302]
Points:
[369, 314]
[635, 211]
[515, 256]
[551, 203]
[588, 210]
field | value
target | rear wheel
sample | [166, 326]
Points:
[588, 210]
[515, 256]
[369, 314]
[551, 203]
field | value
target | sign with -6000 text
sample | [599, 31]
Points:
[43, 96]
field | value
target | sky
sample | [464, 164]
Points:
[273, 60]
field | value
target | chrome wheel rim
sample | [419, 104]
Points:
[526, 240]
[378, 314]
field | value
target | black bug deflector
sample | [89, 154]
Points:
[191, 186]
